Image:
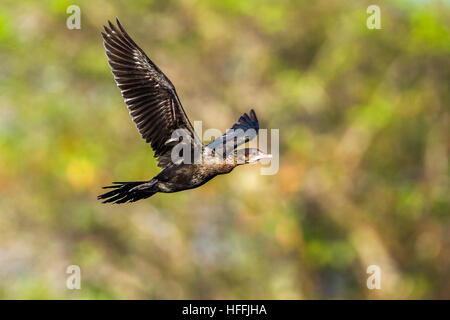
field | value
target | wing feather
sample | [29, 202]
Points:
[149, 95]
[244, 130]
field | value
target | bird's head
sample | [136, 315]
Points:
[250, 155]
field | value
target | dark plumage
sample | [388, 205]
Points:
[157, 112]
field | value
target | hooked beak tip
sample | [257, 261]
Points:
[262, 157]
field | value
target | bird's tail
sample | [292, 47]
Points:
[129, 191]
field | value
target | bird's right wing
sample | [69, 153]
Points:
[149, 95]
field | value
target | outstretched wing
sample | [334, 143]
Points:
[244, 130]
[149, 95]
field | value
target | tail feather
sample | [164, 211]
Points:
[128, 192]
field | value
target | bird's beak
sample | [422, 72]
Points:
[261, 156]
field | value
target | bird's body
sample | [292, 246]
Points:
[188, 176]
[157, 112]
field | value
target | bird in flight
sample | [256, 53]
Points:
[157, 113]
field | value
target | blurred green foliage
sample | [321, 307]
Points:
[364, 143]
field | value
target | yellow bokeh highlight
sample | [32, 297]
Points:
[80, 173]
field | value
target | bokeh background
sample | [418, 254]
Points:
[364, 145]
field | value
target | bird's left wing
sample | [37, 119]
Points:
[244, 130]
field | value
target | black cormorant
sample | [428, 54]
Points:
[157, 112]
